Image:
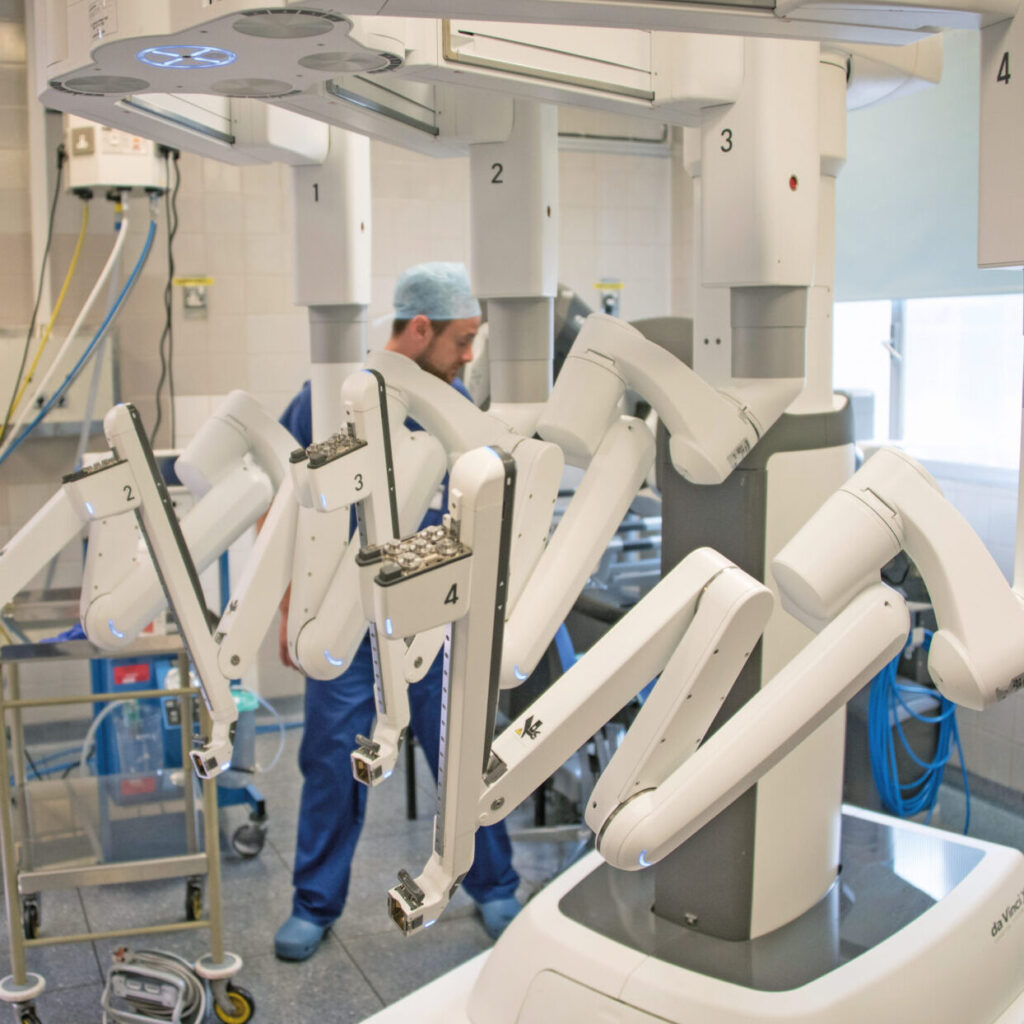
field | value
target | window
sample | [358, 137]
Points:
[946, 374]
[962, 377]
[861, 360]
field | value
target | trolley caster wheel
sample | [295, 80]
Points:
[248, 840]
[193, 900]
[29, 1016]
[242, 1006]
[31, 916]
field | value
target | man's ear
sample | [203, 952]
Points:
[419, 332]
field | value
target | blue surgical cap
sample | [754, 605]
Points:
[440, 291]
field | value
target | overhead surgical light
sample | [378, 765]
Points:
[185, 57]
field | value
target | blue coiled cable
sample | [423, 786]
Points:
[91, 347]
[887, 697]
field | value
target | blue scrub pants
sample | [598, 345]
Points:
[333, 804]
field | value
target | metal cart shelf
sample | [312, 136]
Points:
[25, 872]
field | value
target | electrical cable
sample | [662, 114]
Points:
[72, 266]
[61, 158]
[166, 343]
[160, 962]
[90, 348]
[887, 698]
[122, 235]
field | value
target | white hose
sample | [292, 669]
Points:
[83, 760]
[112, 260]
[280, 732]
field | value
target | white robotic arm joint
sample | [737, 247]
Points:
[711, 431]
[892, 503]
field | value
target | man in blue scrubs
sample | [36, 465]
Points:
[436, 320]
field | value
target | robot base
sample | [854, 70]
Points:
[921, 926]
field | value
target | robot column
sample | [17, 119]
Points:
[332, 268]
[514, 236]
[765, 241]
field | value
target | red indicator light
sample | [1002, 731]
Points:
[793, 183]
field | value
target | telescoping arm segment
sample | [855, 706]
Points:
[143, 491]
[455, 573]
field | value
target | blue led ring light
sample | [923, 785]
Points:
[186, 58]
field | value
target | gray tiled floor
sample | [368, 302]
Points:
[364, 963]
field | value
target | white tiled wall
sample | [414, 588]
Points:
[615, 222]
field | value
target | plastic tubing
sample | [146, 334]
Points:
[115, 252]
[281, 734]
[90, 348]
[57, 307]
[83, 759]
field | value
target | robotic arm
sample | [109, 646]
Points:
[131, 481]
[462, 578]
[889, 504]
[977, 654]
[712, 429]
[538, 465]
[233, 466]
[397, 480]
[696, 629]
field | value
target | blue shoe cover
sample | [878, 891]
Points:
[298, 939]
[497, 914]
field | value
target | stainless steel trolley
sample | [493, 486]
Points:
[26, 873]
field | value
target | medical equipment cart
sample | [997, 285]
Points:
[66, 851]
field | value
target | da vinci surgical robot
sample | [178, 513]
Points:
[913, 926]
[72, 73]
